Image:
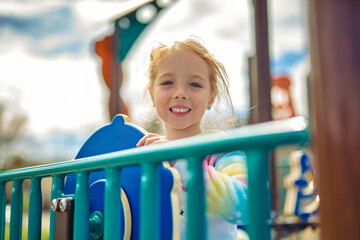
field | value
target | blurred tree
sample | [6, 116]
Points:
[12, 124]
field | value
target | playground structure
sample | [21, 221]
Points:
[334, 138]
[257, 141]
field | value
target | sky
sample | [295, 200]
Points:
[49, 70]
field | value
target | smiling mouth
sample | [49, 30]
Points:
[180, 110]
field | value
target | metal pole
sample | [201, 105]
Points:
[262, 79]
[335, 86]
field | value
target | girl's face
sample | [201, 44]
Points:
[182, 92]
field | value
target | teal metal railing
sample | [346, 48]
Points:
[256, 140]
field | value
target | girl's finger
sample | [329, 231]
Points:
[143, 139]
[155, 140]
[148, 139]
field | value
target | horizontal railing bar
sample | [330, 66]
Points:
[269, 135]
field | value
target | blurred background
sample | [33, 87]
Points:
[53, 91]
[68, 66]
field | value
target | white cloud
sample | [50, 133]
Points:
[67, 92]
[59, 92]
[288, 26]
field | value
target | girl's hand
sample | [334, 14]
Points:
[151, 138]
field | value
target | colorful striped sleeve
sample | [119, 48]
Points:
[226, 187]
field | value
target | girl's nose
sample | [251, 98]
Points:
[180, 93]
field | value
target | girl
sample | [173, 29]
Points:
[184, 81]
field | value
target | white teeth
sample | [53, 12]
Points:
[180, 110]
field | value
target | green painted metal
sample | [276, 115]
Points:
[112, 206]
[57, 190]
[82, 209]
[128, 28]
[259, 193]
[96, 224]
[269, 134]
[2, 209]
[195, 205]
[256, 140]
[16, 210]
[35, 210]
[149, 202]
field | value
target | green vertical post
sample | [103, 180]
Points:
[35, 210]
[82, 207]
[149, 205]
[112, 218]
[57, 189]
[196, 221]
[2, 209]
[16, 210]
[259, 194]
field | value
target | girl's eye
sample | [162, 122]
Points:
[166, 83]
[195, 85]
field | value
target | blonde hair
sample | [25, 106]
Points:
[219, 80]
